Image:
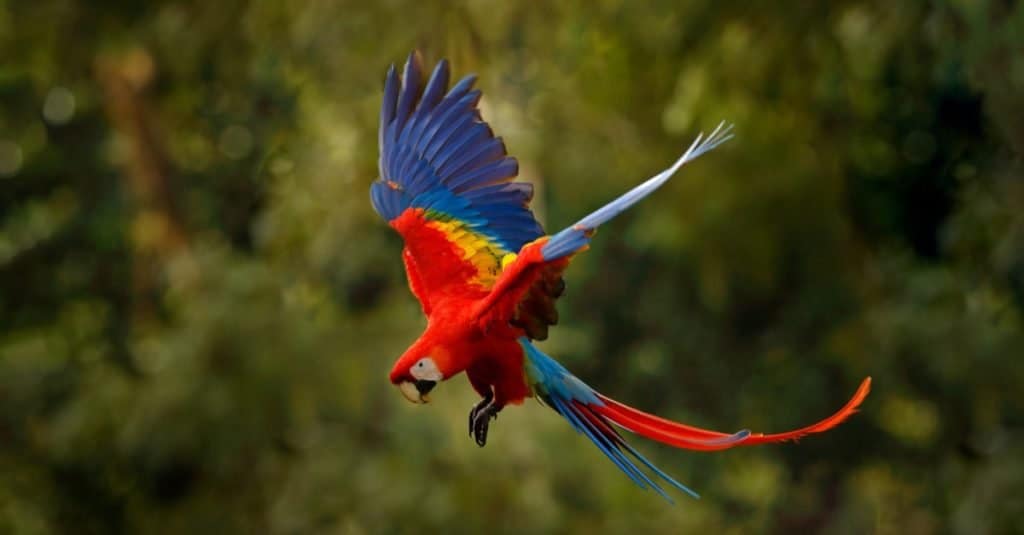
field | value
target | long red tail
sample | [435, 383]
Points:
[693, 438]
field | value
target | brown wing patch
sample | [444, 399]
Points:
[536, 310]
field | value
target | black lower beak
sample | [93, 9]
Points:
[424, 386]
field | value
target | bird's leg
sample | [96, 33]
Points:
[488, 398]
[480, 417]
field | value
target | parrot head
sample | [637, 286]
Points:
[419, 370]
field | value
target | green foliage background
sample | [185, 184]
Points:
[198, 306]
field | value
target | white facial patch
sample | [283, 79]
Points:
[426, 370]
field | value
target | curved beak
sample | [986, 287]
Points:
[417, 392]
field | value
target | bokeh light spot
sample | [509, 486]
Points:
[235, 142]
[10, 158]
[914, 421]
[281, 166]
[59, 106]
[754, 480]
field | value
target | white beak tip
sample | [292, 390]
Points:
[410, 392]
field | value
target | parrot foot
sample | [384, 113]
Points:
[480, 417]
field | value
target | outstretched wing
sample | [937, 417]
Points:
[525, 293]
[446, 185]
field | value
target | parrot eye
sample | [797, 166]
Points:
[426, 369]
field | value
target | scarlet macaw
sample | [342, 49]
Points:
[487, 276]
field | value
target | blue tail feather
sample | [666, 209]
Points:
[573, 400]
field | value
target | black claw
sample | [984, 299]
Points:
[476, 410]
[480, 434]
[482, 422]
[480, 417]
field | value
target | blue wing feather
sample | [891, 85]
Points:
[445, 118]
[435, 88]
[422, 177]
[461, 140]
[426, 133]
[436, 153]
[488, 174]
[577, 236]
[431, 97]
[410, 89]
[455, 122]
[510, 193]
[484, 153]
[387, 109]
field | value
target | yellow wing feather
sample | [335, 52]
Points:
[485, 255]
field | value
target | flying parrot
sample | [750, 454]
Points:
[487, 276]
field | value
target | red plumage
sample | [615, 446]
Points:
[693, 438]
[487, 277]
